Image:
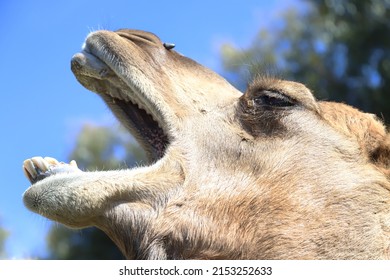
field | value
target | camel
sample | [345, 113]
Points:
[271, 173]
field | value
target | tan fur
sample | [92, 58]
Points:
[269, 174]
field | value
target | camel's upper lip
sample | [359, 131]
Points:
[123, 101]
[87, 64]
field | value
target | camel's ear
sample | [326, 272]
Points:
[381, 155]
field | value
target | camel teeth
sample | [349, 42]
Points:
[40, 163]
[29, 169]
[26, 173]
[73, 163]
[124, 97]
[51, 161]
[141, 107]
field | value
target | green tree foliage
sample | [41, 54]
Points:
[3, 237]
[97, 148]
[105, 148]
[85, 244]
[339, 49]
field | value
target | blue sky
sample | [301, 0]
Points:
[42, 105]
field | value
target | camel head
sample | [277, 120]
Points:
[271, 173]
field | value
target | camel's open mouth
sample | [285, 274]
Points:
[143, 126]
[125, 101]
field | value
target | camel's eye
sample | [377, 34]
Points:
[273, 99]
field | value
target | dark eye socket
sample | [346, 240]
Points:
[273, 99]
